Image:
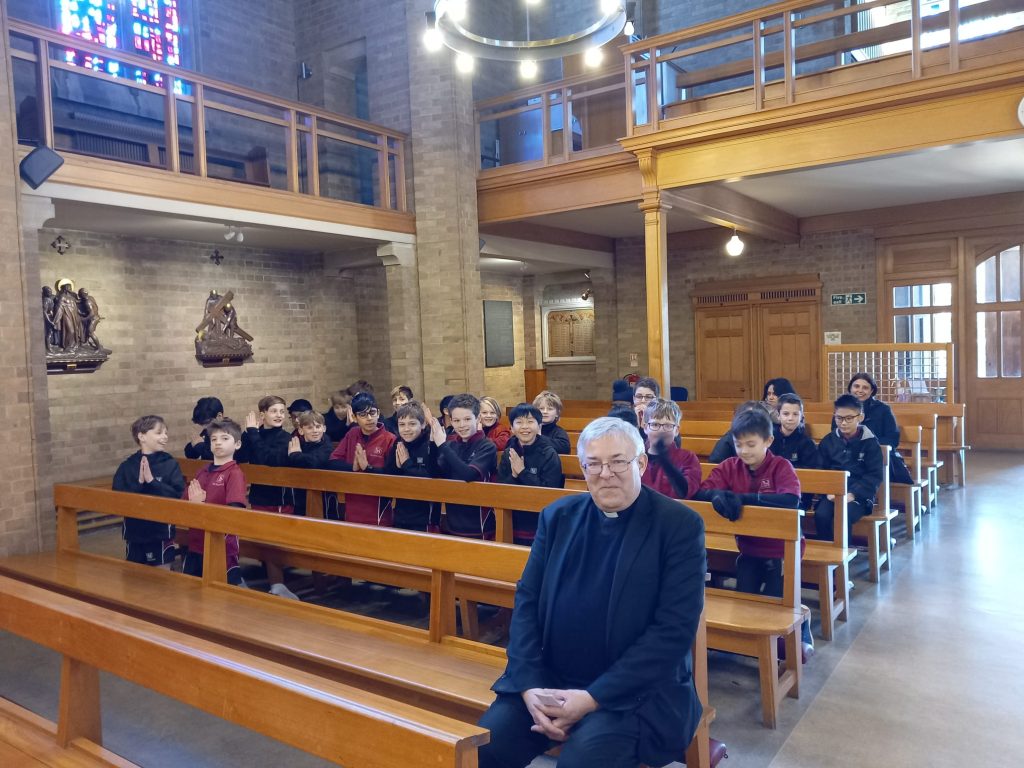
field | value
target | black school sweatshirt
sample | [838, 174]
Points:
[312, 456]
[269, 447]
[413, 514]
[168, 483]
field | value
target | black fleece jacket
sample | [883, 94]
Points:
[168, 483]
[268, 447]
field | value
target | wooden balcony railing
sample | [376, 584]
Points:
[527, 128]
[798, 51]
[75, 96]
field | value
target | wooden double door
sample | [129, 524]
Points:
[740, 347]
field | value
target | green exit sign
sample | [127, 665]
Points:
[849, 298]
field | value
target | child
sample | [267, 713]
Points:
[851, 447]
[791, 442]
[310, 449]
[550, 406]
[529, 459]
[490, 419]
[365, 449]
[298, 407]
[414, 455]
[773, 390]
[446, 416]
[469, 457]
[206, 410]
[153, 471]
[339, 418]
[266, 442]
[725, 447]
[671, 470]
[399, 396]
[754, 476]
[221, 482]
[646, 391]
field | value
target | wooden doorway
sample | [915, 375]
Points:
[748, 332]
[995, 310]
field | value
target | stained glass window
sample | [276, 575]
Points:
[150, 28]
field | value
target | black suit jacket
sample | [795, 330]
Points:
[653, 613]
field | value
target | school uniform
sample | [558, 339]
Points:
[268, 446]
[146, 541]
[391, 424]
[724, 449]
[224, 484]
[311, 456]
[559, 437]
[542, 469]
[472, 460]
[201, 451]
[359, 508]
[416, 514]
[674, 472]
[799, 450]
[498, 434]
[336, 428]
[861, 456]
[774, 484]
[878, 417]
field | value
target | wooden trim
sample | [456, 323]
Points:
[79, 709]
[725, 207]
[293, 152]
[915, 39]
[74, 69]
[541, 233]
[199, 130]
[171, 127]
[954, 36]
[248, 113]
[45, 93]
[528, 93]
[756, 285]
[788, 62]
[758, 67]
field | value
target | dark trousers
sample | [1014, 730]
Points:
[192, 565]
[602, 739]
[824, 514]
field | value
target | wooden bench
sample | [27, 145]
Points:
[331, 720]
[432, 668]
[951, 442]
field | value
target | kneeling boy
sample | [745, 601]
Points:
[469, 457]
[152, 471]
[221, 482]
[529, 459]
[414, 455]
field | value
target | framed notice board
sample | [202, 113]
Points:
[499, 335]
[568, 334]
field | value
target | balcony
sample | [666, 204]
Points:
[128, 124]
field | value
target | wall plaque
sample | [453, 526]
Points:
[499, 334]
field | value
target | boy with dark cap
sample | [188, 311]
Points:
[154, 472]
[206, 410]
[365, 449]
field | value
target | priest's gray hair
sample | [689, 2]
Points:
[605, 426]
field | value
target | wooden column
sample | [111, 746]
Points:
[656, 269]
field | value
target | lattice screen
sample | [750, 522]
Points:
[908, 373]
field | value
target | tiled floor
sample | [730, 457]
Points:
[926, 672]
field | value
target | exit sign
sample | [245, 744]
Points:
[849, 298]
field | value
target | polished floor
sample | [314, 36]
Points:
[926, 673]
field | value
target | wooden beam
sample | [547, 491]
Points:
[725, 207]
[541, 233]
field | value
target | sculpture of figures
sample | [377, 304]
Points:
[219, 340]
[69, 329]
[49, 329]
[90, 318]
[66, 317]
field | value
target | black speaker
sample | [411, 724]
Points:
[39, 165]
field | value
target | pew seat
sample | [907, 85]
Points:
[327, 718]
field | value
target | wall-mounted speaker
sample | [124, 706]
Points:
[39, 165]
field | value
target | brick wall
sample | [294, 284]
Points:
[845, 262]
[151, 295]
[506, 384]
[20, 529]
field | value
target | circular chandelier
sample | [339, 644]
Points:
[446, 27]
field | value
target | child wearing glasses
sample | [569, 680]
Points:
[365, 449]
[851, 446]
[645, 392]
[671, 470]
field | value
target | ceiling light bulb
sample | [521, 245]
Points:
[239, 238]
[456, 9]
[528, 68]
[228, 235]
[533, 2]
[432, 39]
[735, 246]
[593, 56]
[629, 30]
[610, 6]
[464, 63]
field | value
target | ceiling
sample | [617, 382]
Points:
[930, 175]
[132, 222]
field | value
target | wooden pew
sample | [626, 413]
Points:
[951, 432]
[331, 720]
[431, 669]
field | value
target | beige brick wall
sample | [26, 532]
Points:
[506, 384]
[20, 529]
[151, 294]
